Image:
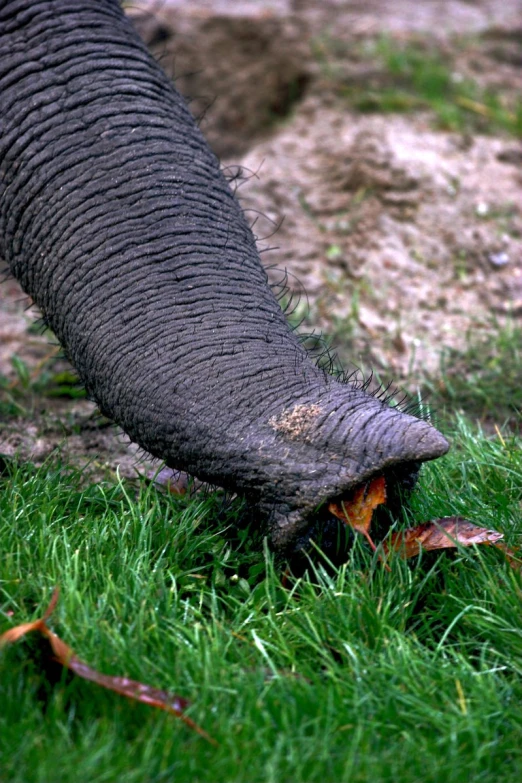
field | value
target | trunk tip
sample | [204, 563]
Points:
[431, 444]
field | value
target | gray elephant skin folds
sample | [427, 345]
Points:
[116, 219]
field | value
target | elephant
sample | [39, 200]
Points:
[116, 218]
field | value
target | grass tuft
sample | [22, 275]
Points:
[485, 379]
[350, 674]
[415, 75]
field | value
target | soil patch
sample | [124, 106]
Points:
[404, 238]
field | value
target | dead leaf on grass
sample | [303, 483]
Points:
[446, 533]
[132, 689]
[357, 513]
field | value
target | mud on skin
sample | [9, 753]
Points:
[116, 219]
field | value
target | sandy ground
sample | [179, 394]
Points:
[421, 229]
[405, 238]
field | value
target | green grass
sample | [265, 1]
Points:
[485, 379]
[355, 675]
[417, 75]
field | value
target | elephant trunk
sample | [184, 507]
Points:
[116, 219]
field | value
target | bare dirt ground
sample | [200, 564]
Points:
[430, 250]
[406, 237]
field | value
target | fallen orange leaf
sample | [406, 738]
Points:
[122, 685]
[446, 533]
[357, 513]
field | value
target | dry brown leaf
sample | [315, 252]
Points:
[132, 689]
[357, 513]
[446, 533]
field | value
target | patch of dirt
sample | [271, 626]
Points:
[296, 422]
[404, 237]
[240, 73]
[73, 432]
[35, 427]
[17, 334]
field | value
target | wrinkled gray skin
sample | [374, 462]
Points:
[116, 219]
